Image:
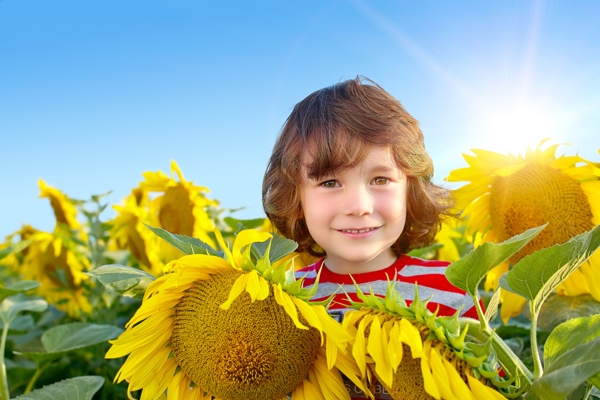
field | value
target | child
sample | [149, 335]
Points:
[350, 181]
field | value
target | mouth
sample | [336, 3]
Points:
[362, 230]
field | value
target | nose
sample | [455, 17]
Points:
[358, 201]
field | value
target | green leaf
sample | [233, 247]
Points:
[558, 309]
[567, 372]
[76, 335]
[15, 248]
[21, 323]
[426, 252]
[280, 247]
[126, 281]
[13, 305]
[188, 245]
[79, 388]
[19, 287]
[538, 274]
[246, 223]
[62, 339]
[569, 335]
[468, 272]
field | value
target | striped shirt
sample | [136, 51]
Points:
[429, 275]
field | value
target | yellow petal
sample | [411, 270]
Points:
[253, 285]
[440, 375]
[228, 255]
[375, 346]
[237, 289]
[359, 348]
[246, 237]
[459, 387]
[512, 304]
[310, 314]
[395, 347]
[428, 382]
[410, 335]
[330, 381]
[307, 391]
[284, 300]
[331, 327]
[480, 391]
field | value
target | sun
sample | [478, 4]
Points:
[516, 127]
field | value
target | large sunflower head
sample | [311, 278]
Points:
[506, 194]
[417, 355]
[222, 325]
[53, 260]
[181, 207]
[63, 207]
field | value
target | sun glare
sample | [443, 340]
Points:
[516, 128]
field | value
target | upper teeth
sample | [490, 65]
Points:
[357, 230]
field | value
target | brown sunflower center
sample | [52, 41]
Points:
[534, 195]
[176, 212]
[59, 212]
[137, 247]
[252, 351]
[57, 268]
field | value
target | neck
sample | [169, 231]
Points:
[350, 267]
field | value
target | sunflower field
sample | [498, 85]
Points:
[175, 298]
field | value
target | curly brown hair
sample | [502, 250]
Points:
[335, 128]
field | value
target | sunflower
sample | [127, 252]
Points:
[17, 239]
[507, 194]
[52, 260]
[417, 355]
[181, 207]
[128, 232]
[63, 207]
[229, 328]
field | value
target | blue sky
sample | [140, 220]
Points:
[93, 93]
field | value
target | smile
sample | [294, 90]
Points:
[358, 230]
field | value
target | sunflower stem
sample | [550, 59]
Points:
[4, 392]
[507, 358]
[33, 380]
[538, 370]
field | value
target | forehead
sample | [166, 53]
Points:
[318, 164]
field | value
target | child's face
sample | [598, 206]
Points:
[357, 214]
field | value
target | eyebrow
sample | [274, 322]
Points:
[383, 169]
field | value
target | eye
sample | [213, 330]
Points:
[330, 184]
[380, 181]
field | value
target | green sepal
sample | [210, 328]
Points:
[499, 383]
[294, 288]
[278, 274]
[290, 277]
[263, 264]
[450, 323]
[418, 307]
[438, 330]
[325, 303]
[458, 341]
[474, 361]
[309, 293]
[247, 264]
[480, 350]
